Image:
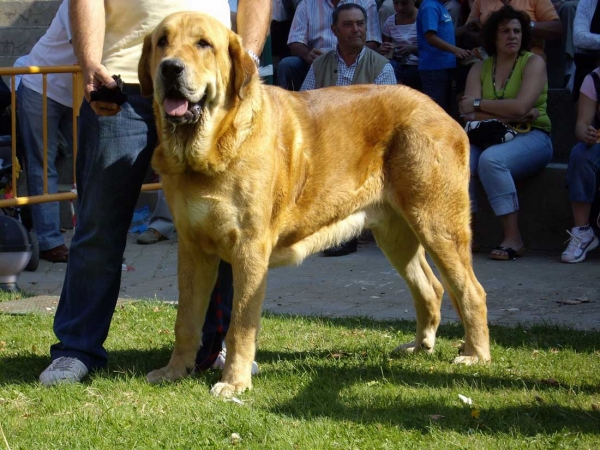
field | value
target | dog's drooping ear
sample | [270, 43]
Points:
[243, 65]
[144, 75]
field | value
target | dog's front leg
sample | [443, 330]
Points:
[249, 287]
[197, 275]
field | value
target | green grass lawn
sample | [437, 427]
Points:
[323, 384]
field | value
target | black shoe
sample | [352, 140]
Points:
[344, 248]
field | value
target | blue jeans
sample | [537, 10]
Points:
[114, 155]
[291, 72]
[437, 84]
[45, 216]
[499, 165]
[582, 175]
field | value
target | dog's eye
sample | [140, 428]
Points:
[203, 44]
[162, 42]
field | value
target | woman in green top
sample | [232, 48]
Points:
[511, 85]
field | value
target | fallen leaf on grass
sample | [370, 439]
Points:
[465, 400]
[475, 413]
[338, 355]
[435, 416]
[595, 406]
[550, 381]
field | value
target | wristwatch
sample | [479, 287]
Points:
[254, 57]
[477, 104]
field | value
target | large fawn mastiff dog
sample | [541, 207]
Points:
[260, 177]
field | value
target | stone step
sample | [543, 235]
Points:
[544, 216]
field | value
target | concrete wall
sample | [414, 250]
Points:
[22, 23]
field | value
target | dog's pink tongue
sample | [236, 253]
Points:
[175, 107]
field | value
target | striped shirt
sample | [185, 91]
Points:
[346, 74]
[312, 23]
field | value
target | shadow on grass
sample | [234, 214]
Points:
[534, 337]
[326, 393]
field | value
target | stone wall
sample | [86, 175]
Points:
[22, 23]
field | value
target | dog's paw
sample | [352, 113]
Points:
[412, 347]
[470, 356]
[166, 374]
[226, 390]
[466, 360]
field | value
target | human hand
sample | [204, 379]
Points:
[461, 53]
[466, 106]
[313, 54]
[94, 77]
[591, 136]
[385, 47]
[408, 49]
[532, 115]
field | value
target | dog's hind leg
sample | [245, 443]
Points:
[249, 287]
[197, 275]
[447, 239]
[402, 248]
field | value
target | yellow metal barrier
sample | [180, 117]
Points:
[16, 200]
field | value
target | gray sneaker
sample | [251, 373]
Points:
[150, 236]
[63, 370]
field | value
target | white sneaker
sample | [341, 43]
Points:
[63, 370]
[580, 243]
[220, 362]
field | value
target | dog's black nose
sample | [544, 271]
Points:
[172, 68]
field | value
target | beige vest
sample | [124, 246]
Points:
[325, 68]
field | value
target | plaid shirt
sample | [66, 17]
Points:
[346, 74]
[312, 23]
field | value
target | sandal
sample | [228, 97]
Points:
[511, 253]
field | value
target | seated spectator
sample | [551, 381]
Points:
[544, 20]
[351, 62]
[584, 168]
[399, 36]
[311, 36]
[437, 52]
[511, 86]
[586, 39]
[53, 49]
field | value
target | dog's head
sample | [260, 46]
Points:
[193, 65]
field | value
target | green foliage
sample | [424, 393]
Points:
[324, 384]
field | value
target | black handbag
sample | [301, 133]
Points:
[485, 133]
